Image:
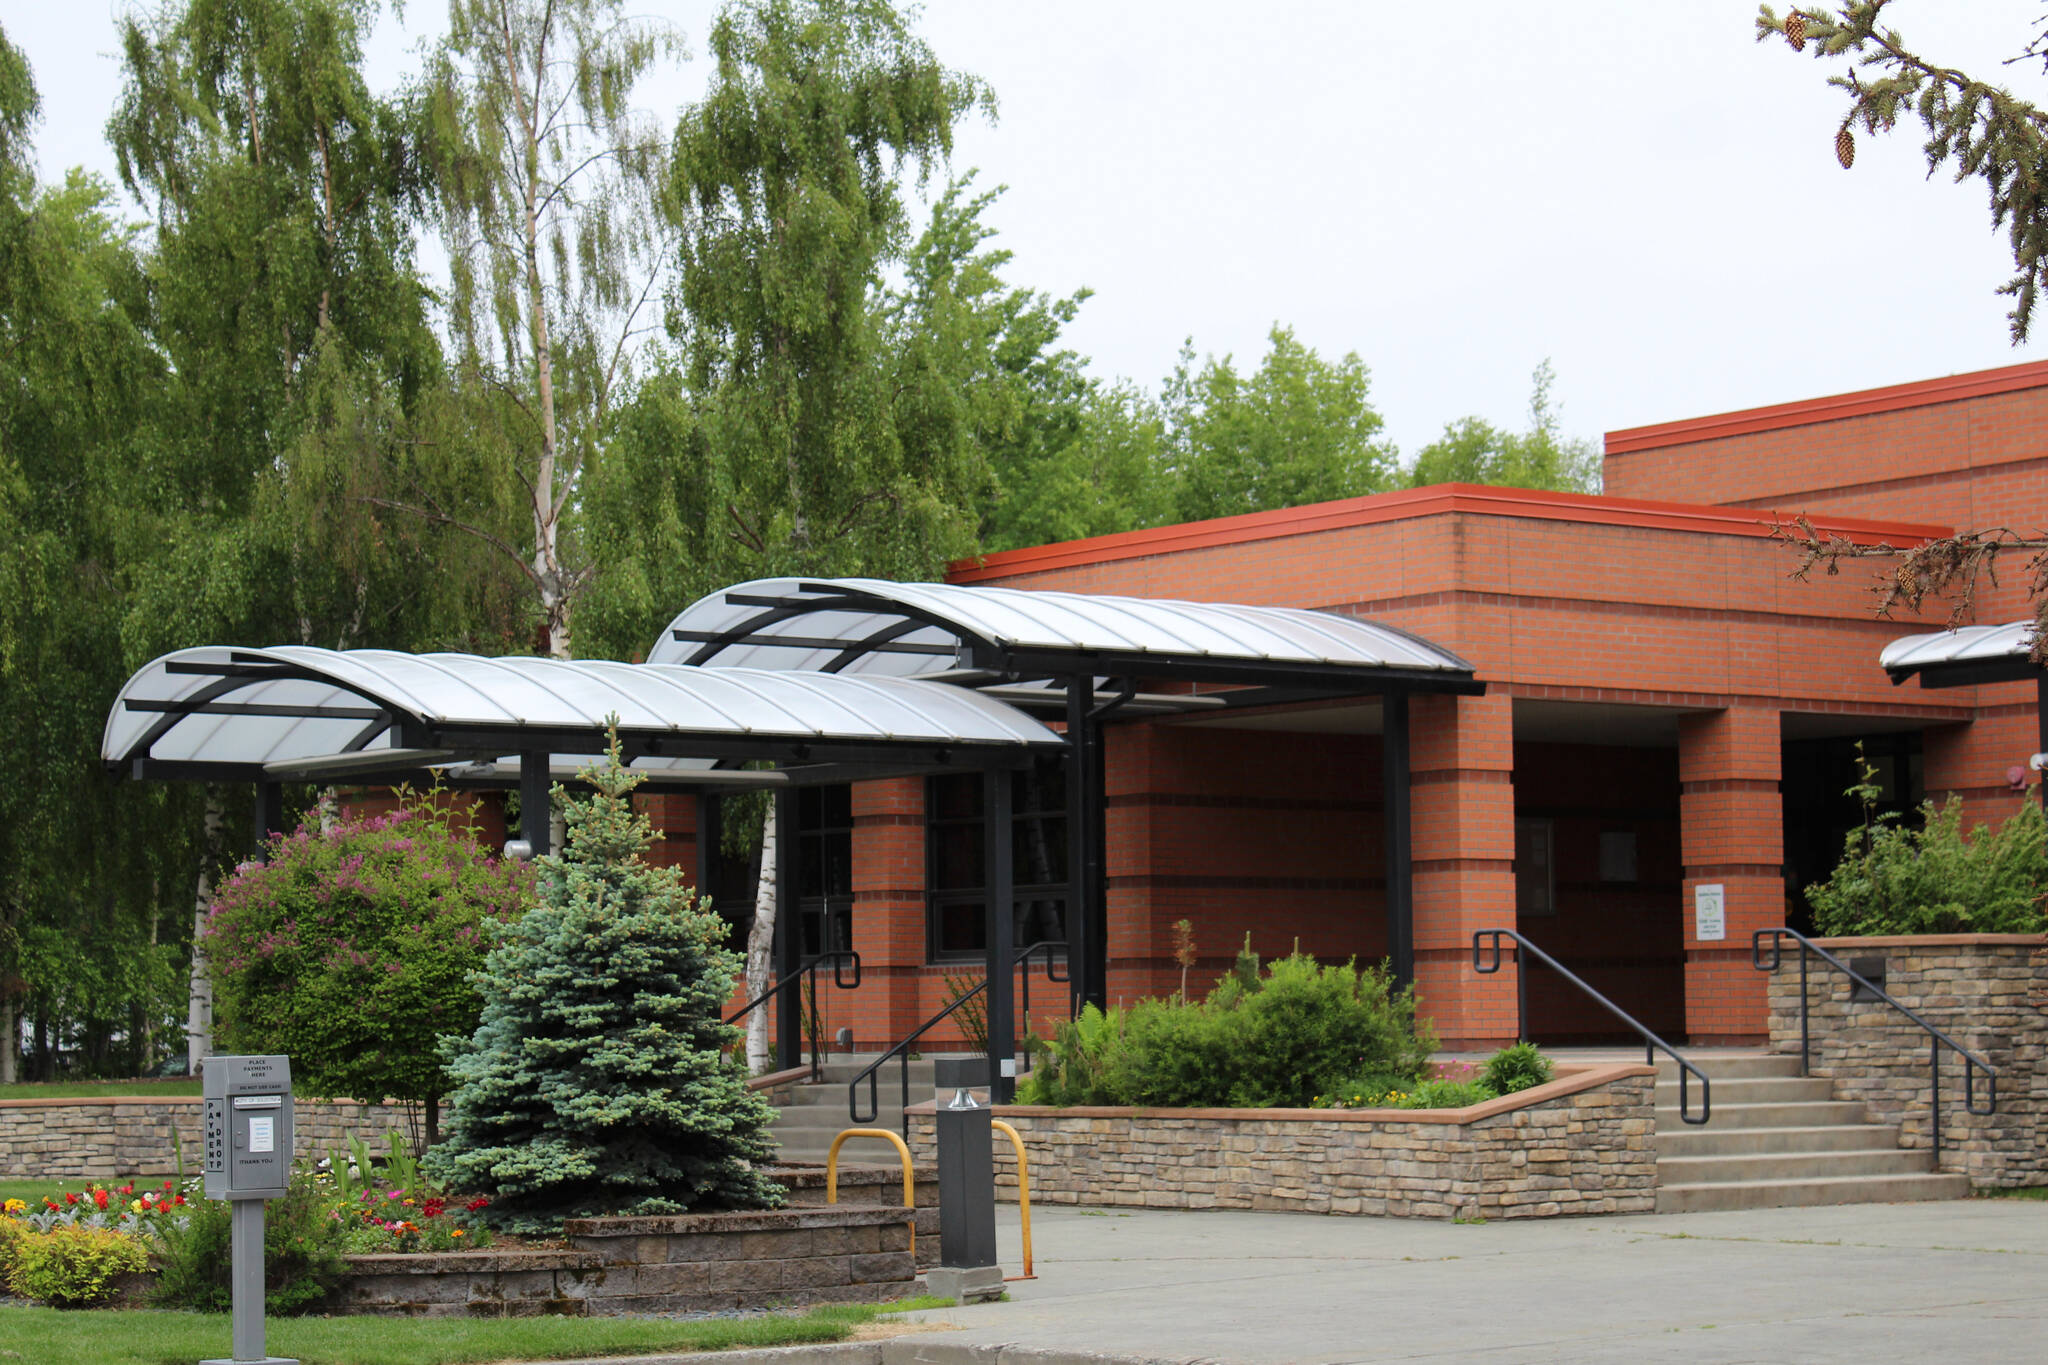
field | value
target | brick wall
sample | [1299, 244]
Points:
[1987, 991]
[1585, 1143]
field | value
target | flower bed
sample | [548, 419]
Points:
[1583, 1143]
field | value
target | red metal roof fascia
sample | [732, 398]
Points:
[1413, 503]
[1921, 393]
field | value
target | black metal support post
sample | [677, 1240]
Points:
[789, 934]
[269, 813]
[1080, 893]
[1399, 828]
[536, 805]
[1001, 919]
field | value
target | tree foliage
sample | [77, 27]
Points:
[598, 1081]
[1473, 450]
[351, 949]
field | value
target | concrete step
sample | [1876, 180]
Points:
[1770, 1166]
[1727, 1090]
[1713, 1140]
[1772, 1194]
[1731, 1065]
[1804, 1114]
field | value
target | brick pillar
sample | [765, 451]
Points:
[1462, 780]
[1732, 835]
[888, 910]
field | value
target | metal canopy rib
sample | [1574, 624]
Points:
[229, 714]
[871, 626]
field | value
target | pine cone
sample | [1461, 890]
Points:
[1795, 30]
[1845, 148]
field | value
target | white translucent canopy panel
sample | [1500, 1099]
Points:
[1970, 645]
[918, 626]
[293, 703]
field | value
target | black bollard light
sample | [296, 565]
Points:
[967, 1270]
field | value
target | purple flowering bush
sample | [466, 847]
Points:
[351, 949]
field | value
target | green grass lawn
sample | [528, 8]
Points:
[127, 1337]
[2039, 1192]
[73, 1090]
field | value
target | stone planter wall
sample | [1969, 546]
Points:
[849, 1253]
[121, 1136]
[880, 1186]
[1585, 1143]
[1987, 991]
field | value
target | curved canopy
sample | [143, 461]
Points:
[874, 627]
[1960, 658]
[293, 712]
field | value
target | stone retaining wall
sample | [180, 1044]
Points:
[1987, 991]
[1585, 1143]
[871, 1186]
[102, 1138]
[849, 1253]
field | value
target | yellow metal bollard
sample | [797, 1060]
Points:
[909, 1185]
[1023, 1192]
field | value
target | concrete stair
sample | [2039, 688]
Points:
[813, 1114]
[1776, 1139]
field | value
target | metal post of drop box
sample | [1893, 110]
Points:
[967, 1269]
[249, 1140]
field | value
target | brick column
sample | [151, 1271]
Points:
[888, 910]
[1462, 780]
[1732, 835]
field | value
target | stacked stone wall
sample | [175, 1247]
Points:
[690, 1263]
[1585, 1143]
[104, 1138]
[1989, 992]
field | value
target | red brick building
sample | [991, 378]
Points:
[1666, 709]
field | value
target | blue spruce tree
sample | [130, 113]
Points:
[599, 1080]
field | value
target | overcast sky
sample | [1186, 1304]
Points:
[1639, 192]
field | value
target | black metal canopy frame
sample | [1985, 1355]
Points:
[1086, 681]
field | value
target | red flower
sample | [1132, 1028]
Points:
[71, 1196]
[99, 1197]
[167, 1184]
[128, 1188]
[179, 1201]
[477, 1203]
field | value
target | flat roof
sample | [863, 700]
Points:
[1920, 393]
[1410, 503]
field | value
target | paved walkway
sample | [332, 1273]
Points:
[1963, 1281]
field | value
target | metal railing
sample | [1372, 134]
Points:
[901, 1052]
[840, 960]
[1652, 1044]
[1972, 1063]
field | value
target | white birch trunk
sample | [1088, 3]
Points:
[199, 1003]
[761, 952]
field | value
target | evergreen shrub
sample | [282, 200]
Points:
[1272, 1039]
[1895, 879]
[597, 1081]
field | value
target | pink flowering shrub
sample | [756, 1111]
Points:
[351, 950]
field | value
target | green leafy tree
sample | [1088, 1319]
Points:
[550, 189]
[598, 1081]
[352, 950]
[1473, 450]
[1985, 132]
[1297, 430]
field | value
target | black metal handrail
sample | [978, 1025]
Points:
[1937, 1039]
[839, 960]
[901, 1051]
[1652, 1044]
[1052, 973]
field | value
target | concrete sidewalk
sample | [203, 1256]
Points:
[1960, 1281]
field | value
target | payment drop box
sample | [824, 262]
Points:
[248, 1126]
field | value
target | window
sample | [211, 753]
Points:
[956, 850]
[1535, 869]
[824, 881]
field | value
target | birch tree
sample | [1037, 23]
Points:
[550, 186]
